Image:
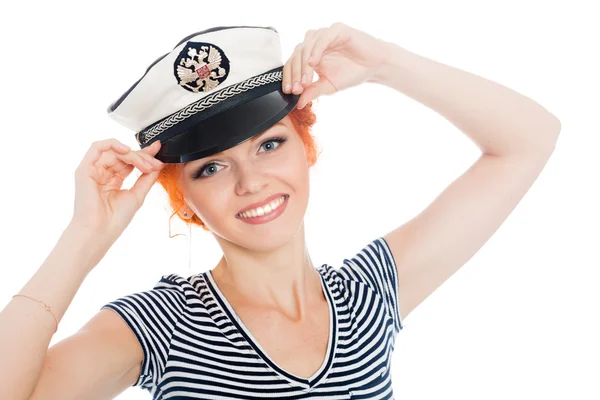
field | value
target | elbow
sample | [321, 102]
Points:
[547, 137]
[553, 132]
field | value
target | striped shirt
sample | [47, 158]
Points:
[196, 347]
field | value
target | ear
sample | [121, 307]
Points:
[185, 212]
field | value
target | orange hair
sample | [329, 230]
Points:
[303, 120]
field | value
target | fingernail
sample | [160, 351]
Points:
[303, 79]
[288, 87]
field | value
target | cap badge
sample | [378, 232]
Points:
[201, 67]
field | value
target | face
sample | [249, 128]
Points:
[271, 165]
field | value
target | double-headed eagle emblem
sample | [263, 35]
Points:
[204, 68]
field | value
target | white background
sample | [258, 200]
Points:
[520, 320]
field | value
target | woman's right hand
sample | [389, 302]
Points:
[100, 204]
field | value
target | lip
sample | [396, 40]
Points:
[261, 203]
[267, 217]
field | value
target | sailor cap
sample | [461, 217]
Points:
[216, 89]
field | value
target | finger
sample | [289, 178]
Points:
[142, 186]
[297, 70]
[318, 88]
[117, 163]
[153, 148]
[124, 173]
[110, 178]
[149, 152]
[307, 70]
[321, 44]
[88, 167]
[286, 81]
[144, 162]
[99, 147]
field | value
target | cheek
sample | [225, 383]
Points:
[210, 203]
[291, 167]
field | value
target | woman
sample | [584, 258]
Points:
[265, 322]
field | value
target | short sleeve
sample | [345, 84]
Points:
[375, 267]
[152, 316]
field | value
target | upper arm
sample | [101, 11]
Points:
[98, 362]
[433, 245]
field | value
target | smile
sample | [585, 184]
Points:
[269, 212]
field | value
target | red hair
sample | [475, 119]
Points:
[303, 120]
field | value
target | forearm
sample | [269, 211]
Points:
[497, 119]
[26, 328]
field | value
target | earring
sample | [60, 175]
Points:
[185, 213]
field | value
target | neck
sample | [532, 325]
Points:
[283, 279]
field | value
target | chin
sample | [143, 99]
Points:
[265, 238]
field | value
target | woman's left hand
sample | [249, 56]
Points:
[342, 56]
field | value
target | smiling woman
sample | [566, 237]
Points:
[233, 150]
[170, 176]
[226, 130]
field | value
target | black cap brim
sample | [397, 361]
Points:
[227, 128]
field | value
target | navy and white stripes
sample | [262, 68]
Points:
[196, 348]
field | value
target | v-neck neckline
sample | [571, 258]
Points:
[323, 370]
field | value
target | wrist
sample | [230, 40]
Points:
[88, 246]
[391, 66]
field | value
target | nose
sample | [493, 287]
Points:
[249, 179]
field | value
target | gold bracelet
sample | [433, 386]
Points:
[46, 306]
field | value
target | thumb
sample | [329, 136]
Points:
[316, 89]
[143, 185]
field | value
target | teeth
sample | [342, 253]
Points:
[260, 211]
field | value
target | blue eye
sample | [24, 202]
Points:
[211, 166]
[207, 167]
[277, 140]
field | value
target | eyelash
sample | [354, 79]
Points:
[279, 139]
